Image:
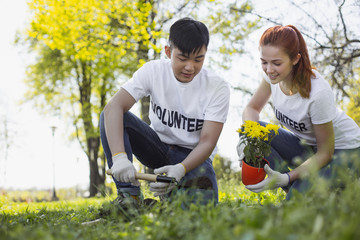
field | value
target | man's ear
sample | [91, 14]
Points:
[168, 51]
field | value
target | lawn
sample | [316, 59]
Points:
[240, 214]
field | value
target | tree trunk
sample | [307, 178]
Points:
[92, 135]
[96, 180]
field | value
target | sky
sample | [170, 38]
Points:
[34, 151]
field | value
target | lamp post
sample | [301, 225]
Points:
[53, 128]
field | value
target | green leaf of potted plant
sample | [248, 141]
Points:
[257, 139]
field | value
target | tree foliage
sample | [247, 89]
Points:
[333, 38]
[335, 41]
[336, 44]
[83, 48]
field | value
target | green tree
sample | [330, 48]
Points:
[333, 39]
[332, 36]
[84, 47]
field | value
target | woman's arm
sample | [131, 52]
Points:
[325, 140]
[257, 102]
[325, 143]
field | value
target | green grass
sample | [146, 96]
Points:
[241, 214]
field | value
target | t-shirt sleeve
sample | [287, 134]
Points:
[218, 109]
[139, 85]
[323, 108]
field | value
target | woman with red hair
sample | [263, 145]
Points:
[317, 131]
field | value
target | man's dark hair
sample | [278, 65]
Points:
[188, 35]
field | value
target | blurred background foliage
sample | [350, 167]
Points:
[84, 50]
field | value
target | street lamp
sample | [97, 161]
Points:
[53, 128]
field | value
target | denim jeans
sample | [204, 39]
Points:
[142, 141]
[286, 148]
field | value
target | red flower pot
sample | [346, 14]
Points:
[251, 175]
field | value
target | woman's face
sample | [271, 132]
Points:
[276, 64]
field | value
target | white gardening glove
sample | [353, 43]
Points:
[240, 151]
[274, 180]
[123, 170]
[176, 171]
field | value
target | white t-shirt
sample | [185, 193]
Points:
[178, 110]
[299, 114]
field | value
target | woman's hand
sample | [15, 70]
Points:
[274, 180]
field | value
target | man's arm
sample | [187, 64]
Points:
[114, 111]
[208, 138]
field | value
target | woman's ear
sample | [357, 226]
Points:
[297, 58]
[168, 51]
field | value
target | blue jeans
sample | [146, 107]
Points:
[286, 147]
[142, 141]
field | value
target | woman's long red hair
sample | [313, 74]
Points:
[292, 42]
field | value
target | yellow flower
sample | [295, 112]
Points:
[272, 127]
[257, 139]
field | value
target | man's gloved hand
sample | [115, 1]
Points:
[176, 171]
[123, 170]
[240, 151]
[274, 180]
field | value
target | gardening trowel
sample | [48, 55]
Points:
[199, 182]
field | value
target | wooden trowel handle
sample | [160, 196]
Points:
[149, 177]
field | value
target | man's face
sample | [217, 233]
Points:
[185, 67]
